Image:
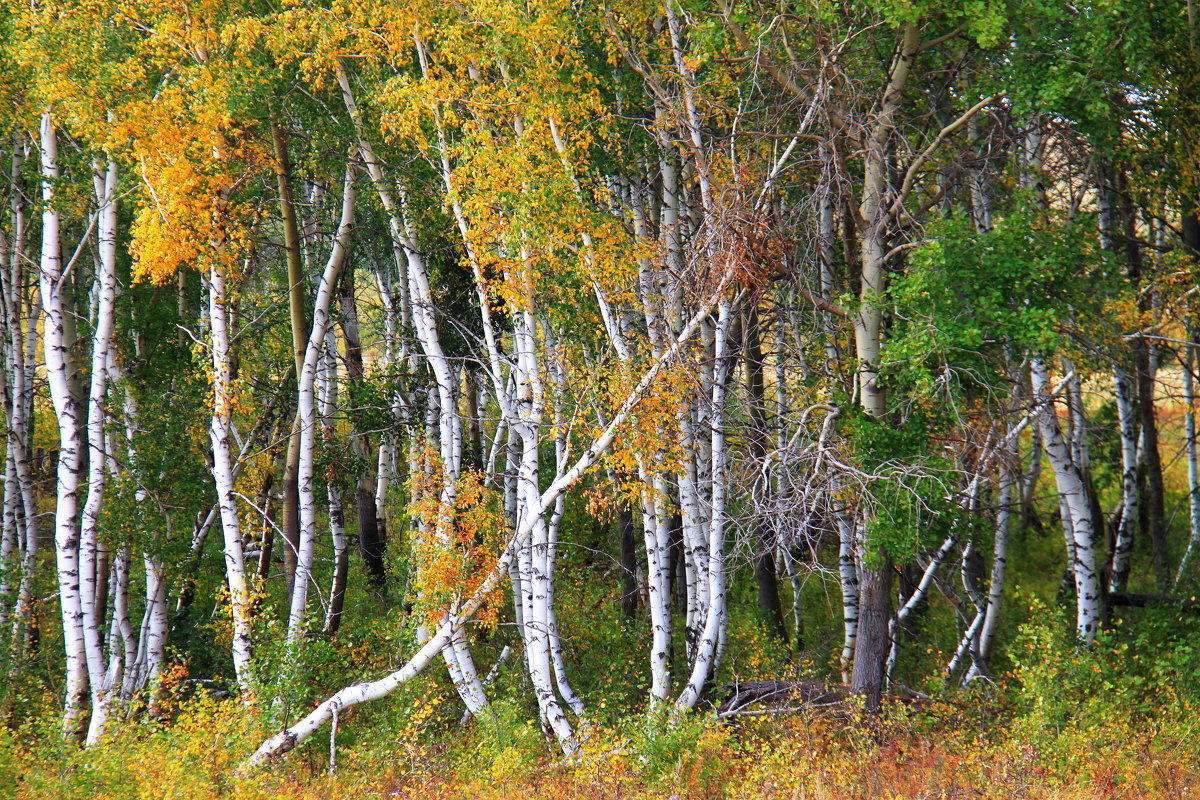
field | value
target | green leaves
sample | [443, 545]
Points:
[968, 297]
[912, 494]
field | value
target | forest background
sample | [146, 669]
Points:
[599, 399]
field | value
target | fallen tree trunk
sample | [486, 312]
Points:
[743, 694]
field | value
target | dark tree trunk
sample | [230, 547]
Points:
[475, 454]
[370, 536]
[874, 615]
[675, 563]
[370, 540]
[1154, 500]
[267, 504]
[291, 507]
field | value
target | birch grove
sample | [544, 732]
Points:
[721, 344]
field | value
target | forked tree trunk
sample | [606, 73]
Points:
[1077, 510]
[708, 650]
[306, 412]
[58, 372]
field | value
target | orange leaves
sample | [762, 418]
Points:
[460, 534]
[170, 88]
[650, 441]
[192, 156]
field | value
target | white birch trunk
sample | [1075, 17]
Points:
[122, 644]
[223, 478]
[307, 414]
[1072, 490]
[447, 429]
[328, 395]
[105, 294]
[410, 262]
[1189, 422]
[995, 600]
[19, 342]
[848, 579]
[654, 530]
[58, 371]
[1124, 390]
[536, 574]
[561, 458]
[287, 739]
[708, 648]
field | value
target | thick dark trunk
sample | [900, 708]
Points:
[475, 454]
[103, 559]
[874, 615]
[769, 604]
[1153, 501]
[370, 539]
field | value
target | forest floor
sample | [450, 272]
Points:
[942, 750]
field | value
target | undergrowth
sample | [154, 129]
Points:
[1116, 721]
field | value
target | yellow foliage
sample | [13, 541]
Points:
[460, 534]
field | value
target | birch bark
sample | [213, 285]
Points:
[1072, 488]
[1189, 422]
[286, 740]
[105, 291]
[306, 411]
[224, 476]
[51, 277]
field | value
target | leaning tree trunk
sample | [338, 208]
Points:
[288, 739]
[299, 328]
